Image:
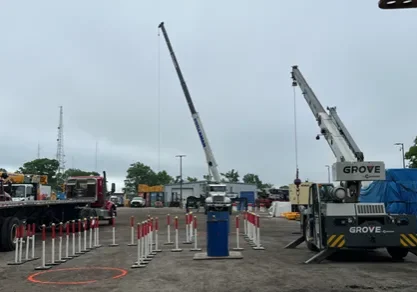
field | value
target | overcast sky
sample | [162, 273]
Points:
[99, 60]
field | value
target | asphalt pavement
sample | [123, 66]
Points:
[273, 269]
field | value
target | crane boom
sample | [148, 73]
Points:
[397, 4]
[350, 167]
[196, 117]
[332, 127]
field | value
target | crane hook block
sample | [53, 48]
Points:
[297, 182]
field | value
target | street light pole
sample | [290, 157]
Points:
[328, 173]
[181, 156]
[402, 151]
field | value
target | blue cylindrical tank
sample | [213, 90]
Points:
[217, 234]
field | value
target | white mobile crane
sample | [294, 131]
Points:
[334, 219]
[216, 191]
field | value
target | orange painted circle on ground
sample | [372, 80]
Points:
[32, 277]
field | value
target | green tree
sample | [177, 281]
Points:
[163, 178]
[3, 169]
[43, 166]
[192, 179]
[284, 187]
[411, 155]
[206, 177]
[251, 178]
[231, 176]
[139, 173]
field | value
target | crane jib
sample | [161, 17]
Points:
[200, 134]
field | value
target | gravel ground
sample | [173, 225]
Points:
[273, 269]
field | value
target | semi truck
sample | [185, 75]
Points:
[86, 196]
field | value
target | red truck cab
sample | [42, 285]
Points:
[93, 189]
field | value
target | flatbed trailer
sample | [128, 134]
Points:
[86, 197]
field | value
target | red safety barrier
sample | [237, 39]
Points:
[176, 249]
[113, 223]
[139, 263]
[168, 242]
[194, 227]
[43, 265]
[132, 231]
[157, 235]
[67, 235]
[237, 234]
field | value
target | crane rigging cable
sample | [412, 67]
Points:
[159, 99]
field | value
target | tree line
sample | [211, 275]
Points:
[140, 173]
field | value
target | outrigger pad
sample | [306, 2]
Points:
[296, 242]
[321, 256]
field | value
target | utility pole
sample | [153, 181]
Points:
[328, 173]
[181, 181]
[402, 152]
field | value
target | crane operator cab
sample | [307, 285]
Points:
[217, 199]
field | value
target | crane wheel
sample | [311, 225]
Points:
[397, 253]
[306, 228]
[8, 233]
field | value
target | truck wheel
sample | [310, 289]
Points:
[8, 233]
[397, 253]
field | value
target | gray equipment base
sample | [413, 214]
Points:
[233, 255]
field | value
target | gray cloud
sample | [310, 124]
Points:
[99, 59]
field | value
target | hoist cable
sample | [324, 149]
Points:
[295, 132]
[159, 99]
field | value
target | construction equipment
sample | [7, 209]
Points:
[216, 198]
[397, 4]
[334, 219]
[26, 187]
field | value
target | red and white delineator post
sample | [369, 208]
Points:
[168, 242]
[132, 231]
[237, 234]
[176, 249]
[81, 250]
[150, 237]
[157, 235]
[245, 225]
[190, 227]
[97, 233]
[262, 207]
[113, 223]
[187, 229]
[194, 226]
[139, 263]
[74, 252]
[32, 240]
[91, 227]
[145, 242]
[17, 254]
[67, 235]
[43, 265]
[258, 245]
[251, 238]
[61, 229]
[53, 262]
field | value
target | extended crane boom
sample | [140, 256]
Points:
[211, 161]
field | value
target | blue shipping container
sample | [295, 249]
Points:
[217, 234]
[250, 196]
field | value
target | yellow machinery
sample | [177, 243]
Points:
[20, 178]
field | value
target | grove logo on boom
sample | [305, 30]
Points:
[365, 229]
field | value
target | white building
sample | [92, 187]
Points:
[172, 191]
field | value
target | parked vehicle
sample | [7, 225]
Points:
[137, 202]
